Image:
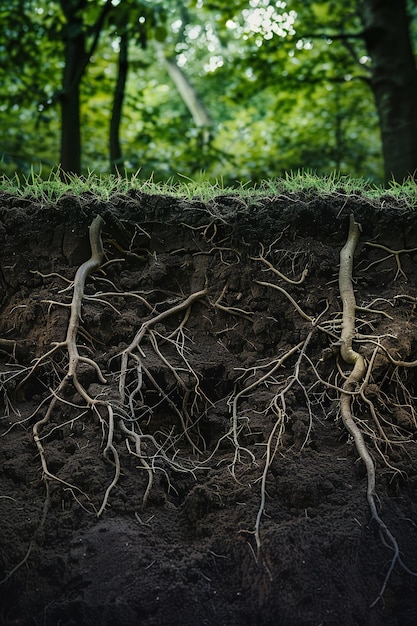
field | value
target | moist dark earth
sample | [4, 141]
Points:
[244, 502]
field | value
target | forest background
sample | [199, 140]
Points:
[230, 91]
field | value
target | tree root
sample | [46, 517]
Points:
[394, 253]
[135, 344]
[276, 271]
[353, 386]
[70, 343]
[351, 357]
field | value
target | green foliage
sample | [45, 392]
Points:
[284, 85]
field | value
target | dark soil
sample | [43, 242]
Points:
[189, 557]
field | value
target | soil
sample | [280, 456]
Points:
[188, 555]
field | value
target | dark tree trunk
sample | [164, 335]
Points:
[116, 159]
[394, 83]
[76, 61]
[70, 99]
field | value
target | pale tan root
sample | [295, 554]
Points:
[351, 357]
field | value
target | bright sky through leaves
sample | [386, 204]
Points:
[264, 19]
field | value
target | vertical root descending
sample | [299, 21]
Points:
[351, 357]
[70, 342]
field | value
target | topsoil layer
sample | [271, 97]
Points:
[290, 471]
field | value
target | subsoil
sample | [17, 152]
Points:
[189, 555]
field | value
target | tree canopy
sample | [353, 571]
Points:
[238, 91]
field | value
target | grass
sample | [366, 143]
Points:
[105, 187]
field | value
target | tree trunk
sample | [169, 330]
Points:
[394, 83]
[76, 61]
[70, 98]
[190, 97]
[116, 159]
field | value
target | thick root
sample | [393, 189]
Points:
[351, 357]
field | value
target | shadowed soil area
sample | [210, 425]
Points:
[210, 480]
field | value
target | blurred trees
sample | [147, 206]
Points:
[241, 91]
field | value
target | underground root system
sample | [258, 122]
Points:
[126, 388]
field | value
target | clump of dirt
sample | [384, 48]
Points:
[229, 491]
